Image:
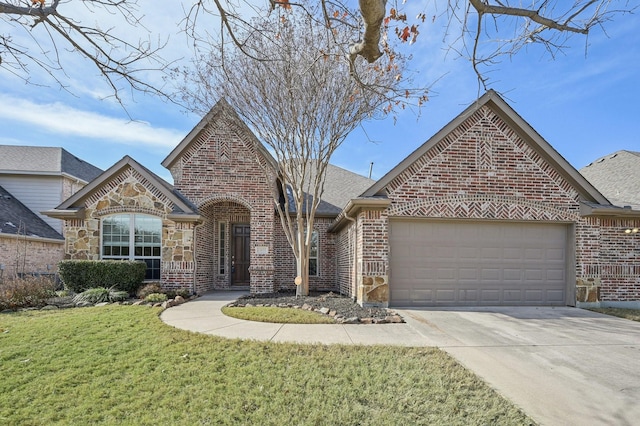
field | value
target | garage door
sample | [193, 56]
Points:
[477, 263]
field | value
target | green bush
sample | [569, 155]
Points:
[101, 294]
[156, 298]
[80, 275]
[25, 292]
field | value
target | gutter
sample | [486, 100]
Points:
[356, 204]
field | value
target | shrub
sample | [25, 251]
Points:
[148, 289]
[26, 292]
[80, 275]
[156, 298]
[101, 294]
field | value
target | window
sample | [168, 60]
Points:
[313, 255]
[133, 237]
[221, 254]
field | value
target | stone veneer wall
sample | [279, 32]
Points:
[28, 255]
[130, 192]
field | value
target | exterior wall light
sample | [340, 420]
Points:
[631, 230]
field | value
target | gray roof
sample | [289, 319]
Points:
[45, 160]
[617, 177]
[341, 185]
[17, 219]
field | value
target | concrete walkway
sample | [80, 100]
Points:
[203, 315]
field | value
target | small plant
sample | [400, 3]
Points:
[100, 295]
[156, 298]
[148, 289]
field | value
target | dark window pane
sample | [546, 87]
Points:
[137, 251]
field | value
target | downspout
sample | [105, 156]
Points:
[195, 257]
[354, 277]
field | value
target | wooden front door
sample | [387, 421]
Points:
[240, 254]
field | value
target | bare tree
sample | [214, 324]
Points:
[487, 29]
[301, 103]
[123, 63]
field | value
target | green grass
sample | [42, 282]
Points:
[277, 315]
[630, 314]
[122, 365]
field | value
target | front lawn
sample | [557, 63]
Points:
[122, 365]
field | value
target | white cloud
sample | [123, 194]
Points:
[64, 120]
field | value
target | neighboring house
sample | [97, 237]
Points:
[43, 177]
[33, 179]
[486, 212]
[617, 176]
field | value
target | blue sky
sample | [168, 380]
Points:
[584, 105]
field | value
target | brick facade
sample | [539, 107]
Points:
[19, 254]
[484, 169]
[487, 165]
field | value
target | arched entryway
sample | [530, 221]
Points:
[223, 246]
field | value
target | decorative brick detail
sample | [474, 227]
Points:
[482, 207]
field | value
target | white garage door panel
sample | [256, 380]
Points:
[477, 263]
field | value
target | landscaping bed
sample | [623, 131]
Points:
[343, 309]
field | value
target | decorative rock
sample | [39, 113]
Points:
[49, 308]
[157, 305]
[179, 300]
[102, 304]
[307, 307]
[323, 310]
[248, 305]
[394, 319]
[332, 313]
[83, 304]
[380, 321]
[7, 311]
[167, 304]
[138, 302]
[366, 320]
[352, 320]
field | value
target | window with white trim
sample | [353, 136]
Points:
[130, 236]
[222, 227]
[313, 255]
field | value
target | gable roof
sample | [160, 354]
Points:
[72, 207]
[45, 160]
[492, 100]
[617, 176]
[221, 111]
[17, 219]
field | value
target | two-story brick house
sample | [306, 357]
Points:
[486, 212]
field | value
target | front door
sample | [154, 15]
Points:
[240, 254]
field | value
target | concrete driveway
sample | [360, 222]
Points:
[562, 366]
